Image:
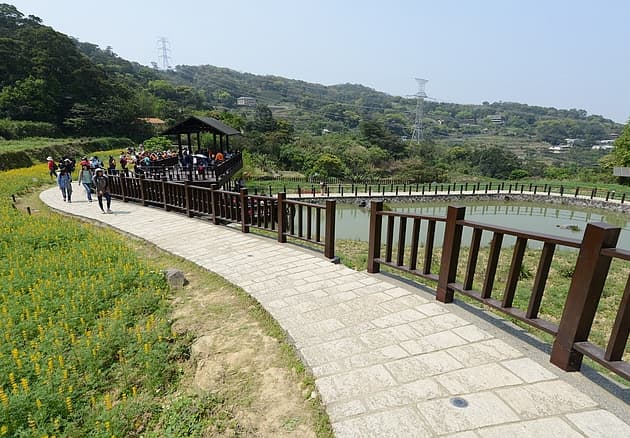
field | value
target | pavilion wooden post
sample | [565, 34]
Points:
[189, 143]
[584, 293]
[244, 212]
[179, 145]
[329, 239]
[282, 238]
[198, 141]
[450, 253]
[376, 225]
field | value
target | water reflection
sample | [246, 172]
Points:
[352, 222]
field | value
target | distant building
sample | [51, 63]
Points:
[156, 124]
[497, 119]
[154, 121]
[246, 101]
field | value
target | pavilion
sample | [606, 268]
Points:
[197, 125]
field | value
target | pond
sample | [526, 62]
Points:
[352, 222]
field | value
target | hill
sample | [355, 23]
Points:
[52, 84]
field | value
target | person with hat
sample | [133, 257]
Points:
[86, 180]
[64, 181]
[101, 182]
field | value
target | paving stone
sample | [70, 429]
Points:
[479, 378]
[600, 424]
[545, 398]
[528, 370]
[545, 427]
[397, 292]
[331, 351]
[354, 383]
[412, 392]
[400, 423]
[479, 353]
[425, 365]
[436, 341]
[385, 354]
[398, 318]
[438, 323]
[383, 337]
[484, 409]
[431, 309]
[472, 333]
[339, 411]
[467, 434]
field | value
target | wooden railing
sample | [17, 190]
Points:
[217, 174]
[398, 188]
[289, 218]
[596, 250]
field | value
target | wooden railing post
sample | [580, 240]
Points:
[187, 198]
[584, 293]
[329, 241]
[123, 189]
[244, 212]
[450, 253]
[164, 193]
[143, 190]
[376, 225]
[216, 208]
[282, 238]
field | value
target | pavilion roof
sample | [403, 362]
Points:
[196, 124]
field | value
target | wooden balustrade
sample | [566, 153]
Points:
[223, 206]
[596, 250]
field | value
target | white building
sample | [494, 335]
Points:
[246, 101]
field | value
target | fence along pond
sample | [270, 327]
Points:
[294, 218]
[596, 250]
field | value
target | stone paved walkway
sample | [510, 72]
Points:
[389, 360]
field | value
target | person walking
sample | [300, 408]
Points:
[64, 182]
[86, 180]
[52, 168]
[101, 181]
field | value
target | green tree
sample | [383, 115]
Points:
[622, 148]
[496, 162]
[28, 99]
[328, 166]
[263, 119]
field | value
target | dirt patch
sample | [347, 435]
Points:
[232, 355]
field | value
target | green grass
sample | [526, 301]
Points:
[34, 143]
[86, 338]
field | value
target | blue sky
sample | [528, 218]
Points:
[560, 53]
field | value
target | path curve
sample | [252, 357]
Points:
[388, 360]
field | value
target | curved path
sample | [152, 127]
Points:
[387, 358]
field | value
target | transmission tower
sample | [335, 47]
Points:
[164, 53]
[417, 134]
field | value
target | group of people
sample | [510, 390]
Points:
[91, 176]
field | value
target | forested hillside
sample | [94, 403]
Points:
[54, 85]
